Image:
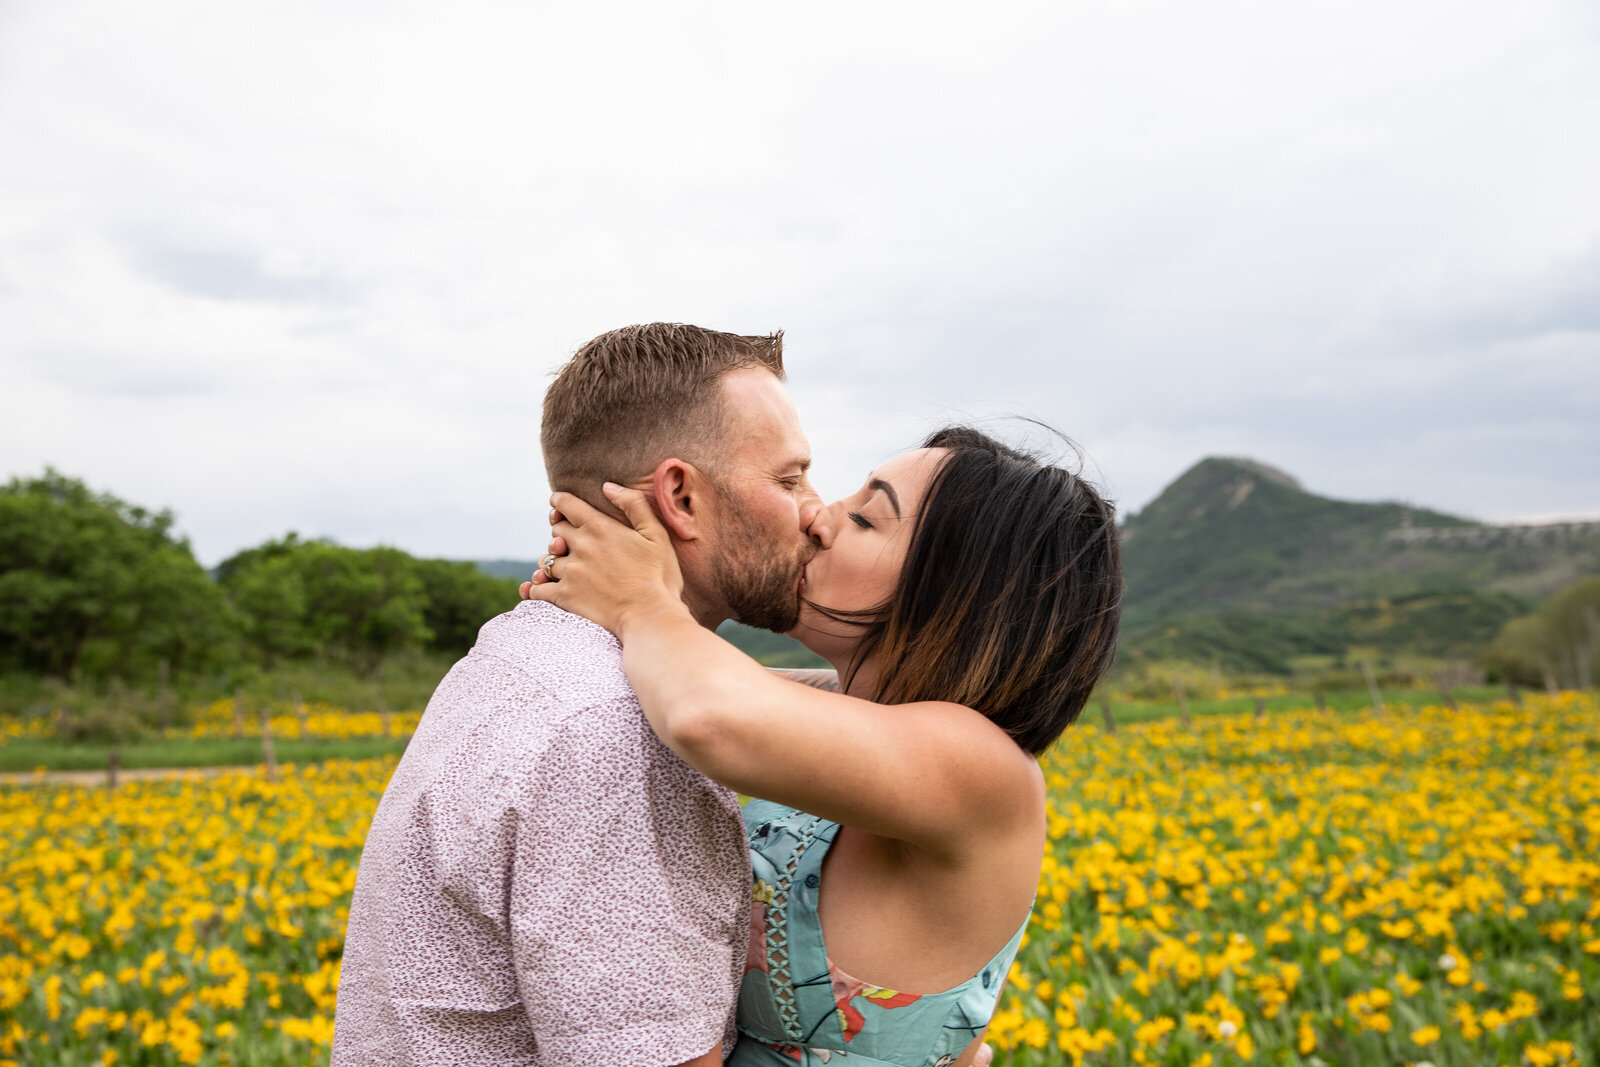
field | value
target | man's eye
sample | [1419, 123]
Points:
[860, 520]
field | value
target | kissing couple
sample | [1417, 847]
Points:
[560, 873]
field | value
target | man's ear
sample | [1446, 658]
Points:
[677, 489]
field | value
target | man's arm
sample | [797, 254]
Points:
[710, 1059]
[629, 903]
[828, 681]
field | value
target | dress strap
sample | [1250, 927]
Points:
[780, 944]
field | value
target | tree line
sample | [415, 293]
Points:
[1558, 645]
[94, 588]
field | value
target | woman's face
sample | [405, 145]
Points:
[862, 543]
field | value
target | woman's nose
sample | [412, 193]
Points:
[810, 505]
[824, 525]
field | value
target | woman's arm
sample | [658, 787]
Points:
[937, 775]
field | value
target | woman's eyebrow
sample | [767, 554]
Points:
[888, 491]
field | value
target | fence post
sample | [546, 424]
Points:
[300, 713]
[1322, 702]
[1372, 688]
[1511, 691]
[1444, 691]
[269, 751]
[1550, 684]
[238, 715]
[163, 716]
[1261, 710]
[1591, 617]
[1105, 713]
[112, 762]
[1183, 700]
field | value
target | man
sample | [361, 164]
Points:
[544, 882]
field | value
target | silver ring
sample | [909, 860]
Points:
[547, 565]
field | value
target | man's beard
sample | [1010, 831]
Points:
[758, 581]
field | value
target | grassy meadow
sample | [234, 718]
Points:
[1303, 888]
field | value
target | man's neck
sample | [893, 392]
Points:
[699, 584]
[706, 613]
[710, 620]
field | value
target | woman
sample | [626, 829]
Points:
[968, 597]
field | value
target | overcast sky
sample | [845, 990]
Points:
[310, 265]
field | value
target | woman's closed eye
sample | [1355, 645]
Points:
[860, 520]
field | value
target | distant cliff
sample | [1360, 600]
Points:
[1236, 563]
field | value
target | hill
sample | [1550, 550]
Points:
[520, 569]
[1236, 563]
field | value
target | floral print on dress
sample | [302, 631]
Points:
[846, 989]
[796, 1007]
[756, 953]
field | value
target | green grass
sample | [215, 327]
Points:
[25, 756]
[402, 681]
[1341, 702]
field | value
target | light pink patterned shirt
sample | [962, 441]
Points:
[544, 883]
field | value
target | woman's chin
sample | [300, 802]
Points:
[804, 634]
[833, 647]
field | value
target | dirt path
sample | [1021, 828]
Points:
[131, 774]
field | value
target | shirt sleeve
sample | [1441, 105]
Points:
[629, 899]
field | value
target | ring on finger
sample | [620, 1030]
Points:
[547, 564]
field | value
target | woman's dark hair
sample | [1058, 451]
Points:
[1011, 593]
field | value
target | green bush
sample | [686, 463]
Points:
[92, 587]
[1558, 645]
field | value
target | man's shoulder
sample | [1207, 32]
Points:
[555, 683]
[542, 692]
[535, 673]
[537, 621]
[563, 653]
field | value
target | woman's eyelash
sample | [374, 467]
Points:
[860, 520]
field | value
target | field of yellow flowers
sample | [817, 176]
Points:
[195, 920]
[226, 718]
[1412, 887]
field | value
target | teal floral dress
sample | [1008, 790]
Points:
[796, 1007]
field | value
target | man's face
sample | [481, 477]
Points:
[764, 502]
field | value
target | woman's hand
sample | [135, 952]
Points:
[610, 571]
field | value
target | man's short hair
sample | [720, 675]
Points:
[633, 397]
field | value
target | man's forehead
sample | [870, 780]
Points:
[754, 386]
[762, 417]
[782, 453]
